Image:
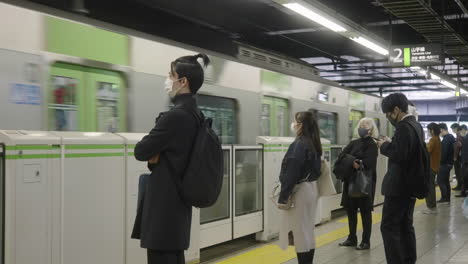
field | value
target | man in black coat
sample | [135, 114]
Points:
[403, 151]
[464, 164]
[163, 220]
[446, 163]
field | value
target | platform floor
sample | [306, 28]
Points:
[441, 238]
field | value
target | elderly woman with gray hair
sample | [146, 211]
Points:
[359, 152]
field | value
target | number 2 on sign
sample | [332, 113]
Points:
[398, 58]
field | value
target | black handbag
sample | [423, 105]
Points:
[360, 184]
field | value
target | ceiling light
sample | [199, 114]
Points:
[435, 76]
[302, 10]
[448, 84]
[370, 45]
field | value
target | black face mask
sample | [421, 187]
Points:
[363, 132]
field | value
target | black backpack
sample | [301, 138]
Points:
[203, 177]
[419, 183]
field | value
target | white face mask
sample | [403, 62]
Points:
[168, 84]
[293, 128]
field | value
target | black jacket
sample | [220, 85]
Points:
[403, 158]
[163, 221]
[464, 150]
[364, 149]
[446, 157]
[298, 163]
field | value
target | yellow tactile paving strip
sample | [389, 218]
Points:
[272, 254]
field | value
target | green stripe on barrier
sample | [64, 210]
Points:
[131, 146]
[131, 154]
[93, 155]
[32, 156]
[31, 147]
[273, 145]
[94, 146]
[274, 150]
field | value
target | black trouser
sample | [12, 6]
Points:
[431, 202]
[443, 179]
[465, 177]
[165, 257]
[306, 257]
[398, 231]
[366, 217]
[458, 173]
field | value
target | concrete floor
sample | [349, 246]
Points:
[441, 238]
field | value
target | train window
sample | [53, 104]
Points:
[265, 120]
[281, 118]
[354, 117]
[328, 123]
[107, 107]
[274, 117]
[223, 113]
[63, 109]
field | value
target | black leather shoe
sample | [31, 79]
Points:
[363, 246]
[461, 195]
[458, 188]
[349, 243]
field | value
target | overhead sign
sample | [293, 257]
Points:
[416, 55]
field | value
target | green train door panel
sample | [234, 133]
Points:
[86, 99]
[274, 117]
[107, 101]
[66, 98]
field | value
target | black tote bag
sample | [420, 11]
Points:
[360, 183]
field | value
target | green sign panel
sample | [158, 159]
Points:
[357, 101]
[275, 81]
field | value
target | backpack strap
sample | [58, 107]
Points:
[422, 144]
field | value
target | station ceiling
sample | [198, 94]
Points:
[220, 25]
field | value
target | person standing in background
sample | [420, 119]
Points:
[434, 148]
[446, 163]
[460, 131]
[464, 161]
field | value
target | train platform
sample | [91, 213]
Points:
[441, 238]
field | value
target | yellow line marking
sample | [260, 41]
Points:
[272, 254]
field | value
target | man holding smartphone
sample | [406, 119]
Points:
[403, 180]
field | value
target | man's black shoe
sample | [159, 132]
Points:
[349, 243]
[363, 246]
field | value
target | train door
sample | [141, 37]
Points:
[86, 99]
[274, 120]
